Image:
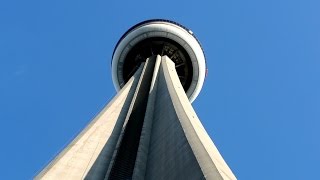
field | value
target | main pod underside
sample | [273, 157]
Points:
[161, 37]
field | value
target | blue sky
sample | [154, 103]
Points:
[260, 102]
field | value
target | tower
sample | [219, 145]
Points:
[149, 130]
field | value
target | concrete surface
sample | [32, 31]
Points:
[148, 131]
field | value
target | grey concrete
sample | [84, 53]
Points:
[122, 164]
[208, 157]
[142, 154]
[170, 156]
[148, 131]
[94, 146]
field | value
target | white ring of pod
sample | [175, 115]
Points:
[166, 30]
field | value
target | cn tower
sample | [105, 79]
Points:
[149, 130]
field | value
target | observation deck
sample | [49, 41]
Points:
[160, 37]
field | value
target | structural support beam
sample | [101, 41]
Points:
[93, 148]
[123, 163]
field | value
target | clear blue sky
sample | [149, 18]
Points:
[260, 102]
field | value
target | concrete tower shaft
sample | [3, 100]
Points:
[149, 130]
[161, 37]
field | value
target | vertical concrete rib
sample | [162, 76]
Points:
[122, 165]
[142, 154]
[169, 153]
[100, 135]
[210, 161]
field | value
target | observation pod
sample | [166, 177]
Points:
[160, 37]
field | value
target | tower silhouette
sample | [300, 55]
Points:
[149, 130]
